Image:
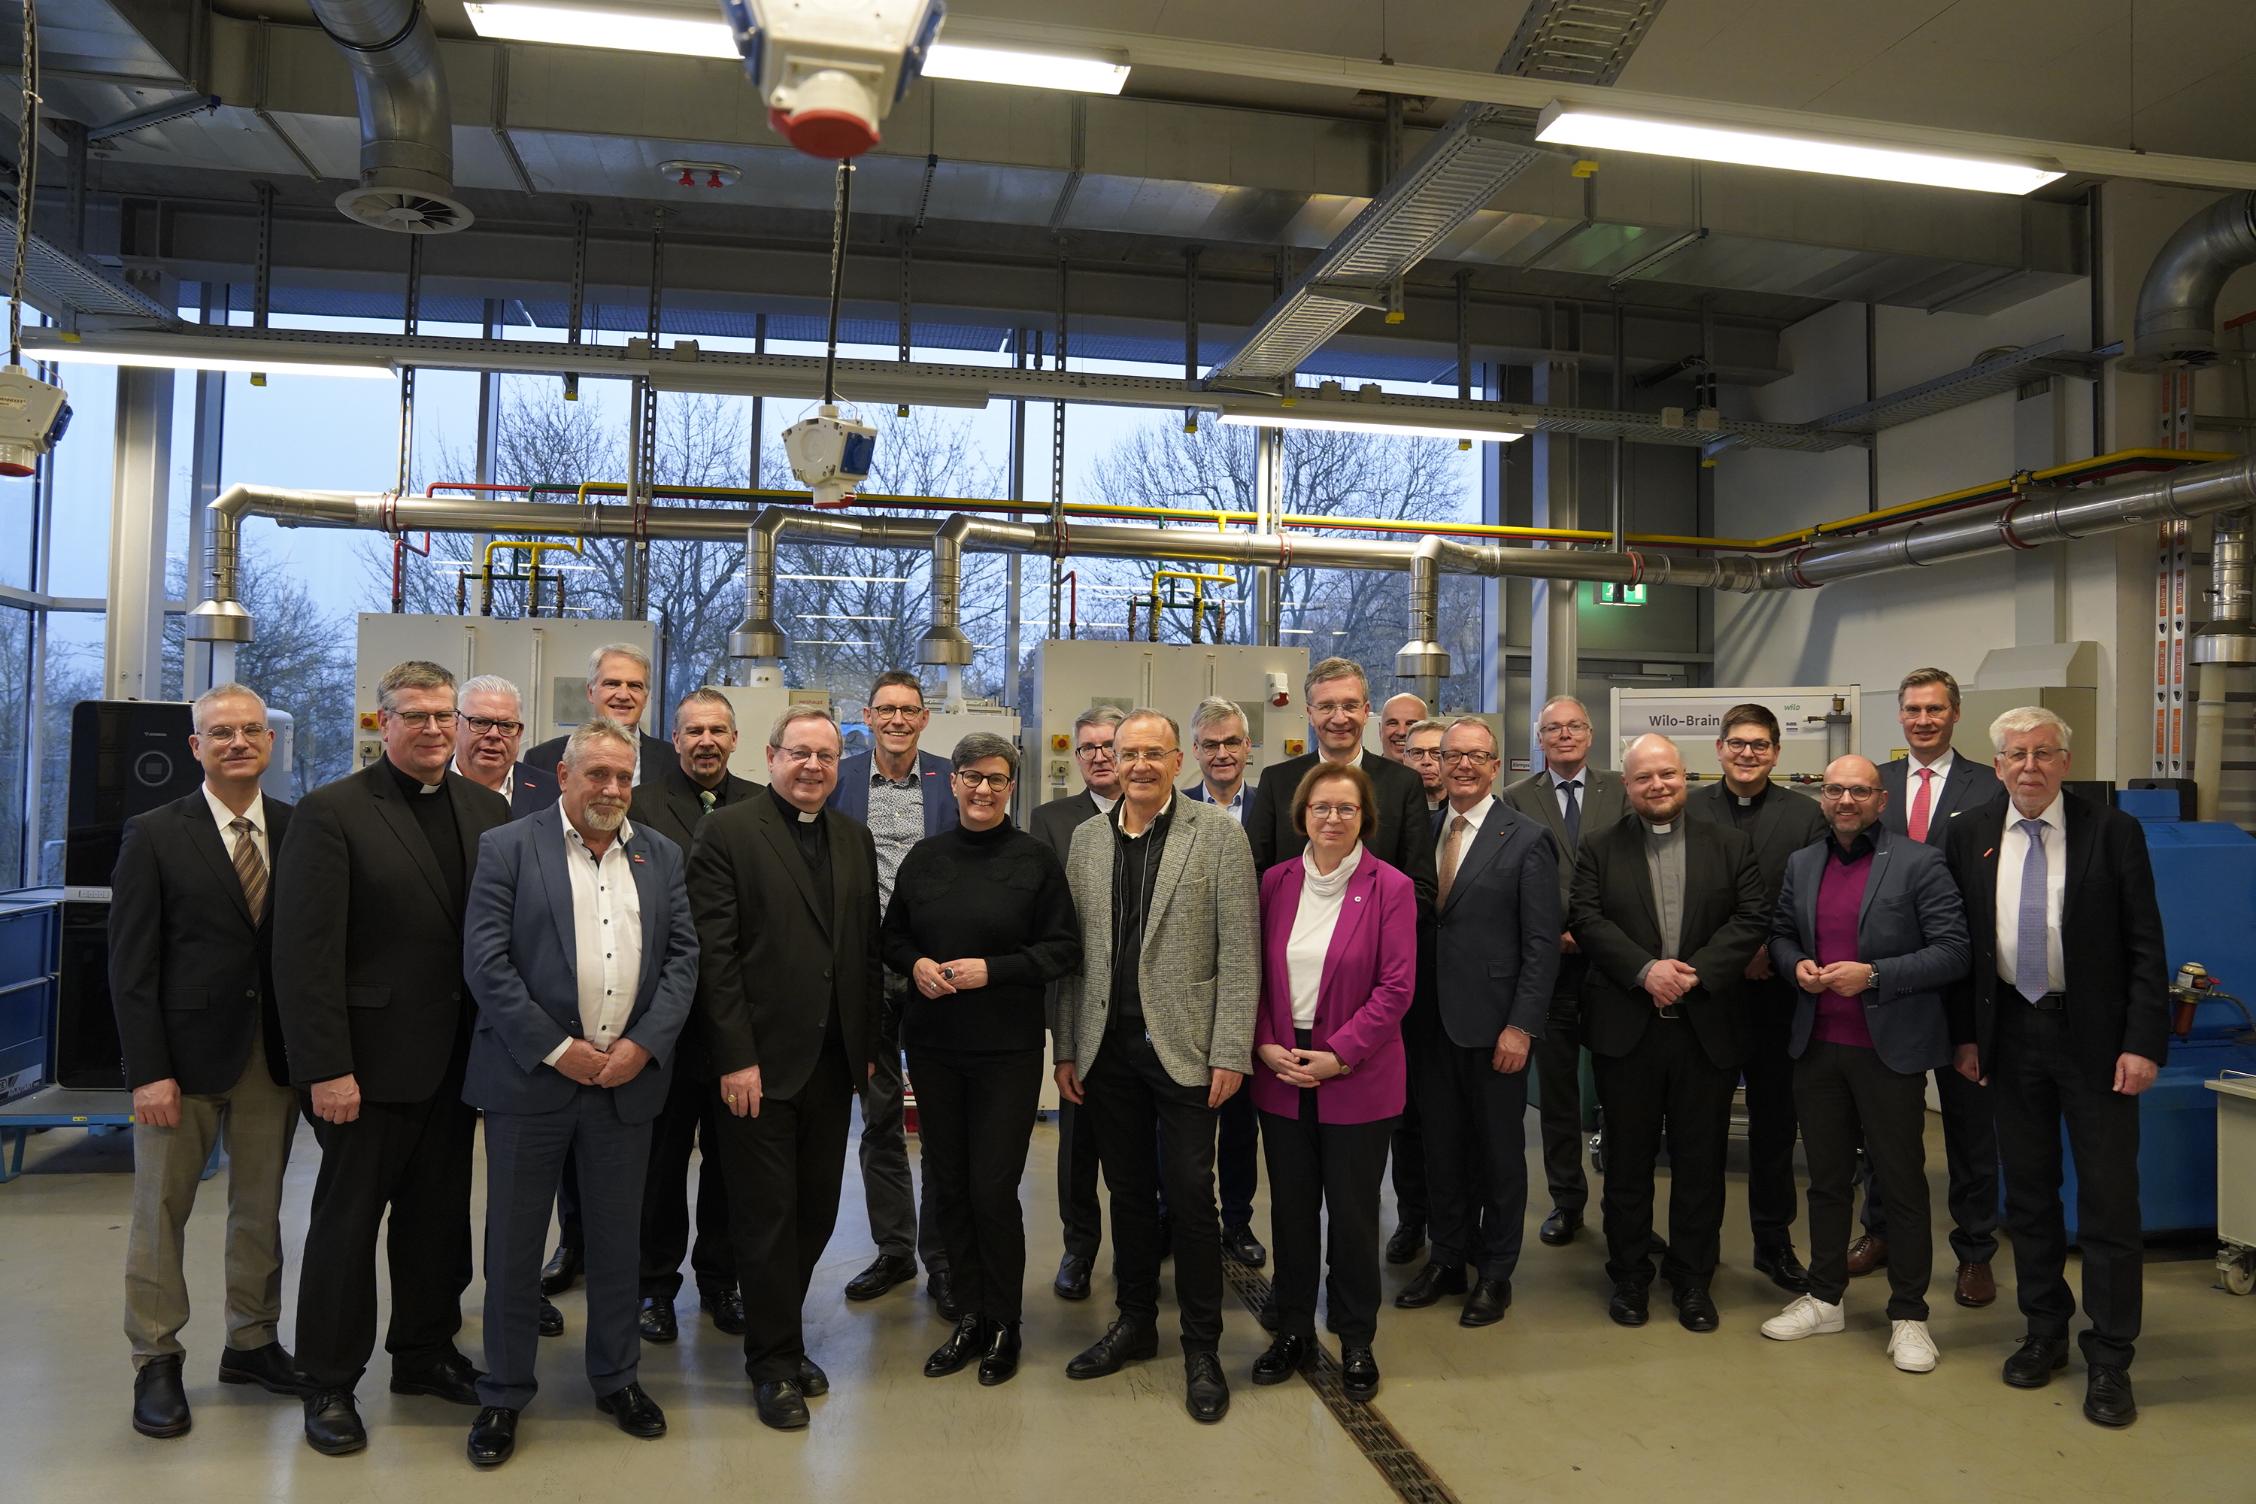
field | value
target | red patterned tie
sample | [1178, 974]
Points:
[1922, 805]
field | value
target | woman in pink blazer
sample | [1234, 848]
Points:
[1339, 944]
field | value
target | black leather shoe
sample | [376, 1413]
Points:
[269, 1367]
[636, 1412]
[451, 1378]
[1123, 1342]
[562, 1268]
[551, 1320]
[1784, 1269]
[2035, 1361]
[1166, 1236]
[1286, 1356]
[1432, 1283]
[2107, 1396]
[1000, 1363]
[332, 1423]
[1627, 1307]
[941, 1286]
[1206, 1394]
[1559, 1229]
[1487, 1304]
[493, 1437]
[780, 1405]
[1408, 1242]
[1695, 1309]
[1072, 1282]
[813, 1382]
[658, 1323]
[727, 1311]
[160, 1404]
[885, 1271]
[1359, 1373]
[1239, 1243]
[954, 1355]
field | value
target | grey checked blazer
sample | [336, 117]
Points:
[1200, 973]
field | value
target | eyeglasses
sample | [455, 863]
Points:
[1748, 744]
[895, 712]
[821, 759]
[1134, 755]
[2043, 757]
[249, 731]
[1562, 728]
[1093, 749]
[975, 781]
[417, 720]
[1857, 792]
[1477, 759]
[1226, 744]
[1420, 754]
[486, 725]
[1335, 811]
[1331, 708]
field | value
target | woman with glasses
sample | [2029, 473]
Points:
[981, 922]
[1339, 939]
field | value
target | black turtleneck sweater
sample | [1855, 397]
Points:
[998, 895]
[434, 816]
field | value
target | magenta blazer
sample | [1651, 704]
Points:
[1369, 974]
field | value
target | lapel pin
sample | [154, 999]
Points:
[636, 857]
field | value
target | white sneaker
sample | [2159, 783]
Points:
[1911, 1347]
[1806, 1316]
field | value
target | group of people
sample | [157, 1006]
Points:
[615, 951]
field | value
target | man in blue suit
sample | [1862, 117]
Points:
[1870, 929]
[903, 795]
[582, 955]
[486, 736]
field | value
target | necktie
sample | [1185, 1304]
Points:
[1922, 805]
[1451, 850]
[706, 799]
[2029, 949]
[250, 867]
[1573, 787]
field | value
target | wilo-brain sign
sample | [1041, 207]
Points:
[1694, 718]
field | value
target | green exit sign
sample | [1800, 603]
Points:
[1610, 594]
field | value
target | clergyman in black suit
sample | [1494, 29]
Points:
[191, 978]
[785, 893]
[676, 803]
[2065, 1017]
[368, 904]
[1928, 791]
[488, 729]
[1668, 911]
[1779, 821]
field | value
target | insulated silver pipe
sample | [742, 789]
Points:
[2177, 303]
[406, 125]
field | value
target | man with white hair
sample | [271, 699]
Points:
[619, 685]
[488, 730]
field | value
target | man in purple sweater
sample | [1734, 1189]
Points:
[1870, 928]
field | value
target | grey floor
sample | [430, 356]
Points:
[1553, 1403]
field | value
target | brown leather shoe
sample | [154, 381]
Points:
[1975, 1287]
[1868, 1253]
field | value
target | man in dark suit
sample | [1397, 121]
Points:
[368, 899]
[618, 688]
[1927, 791]
[582, 956]
[1495, 953]
[191, 978]
[1053, 825]
[675, 804]
[1573, 800]
[1779, 821]
[902, 795]
[1668, 911]
[1221, 744]
[2064, 1016]
[785, 893]
[487, 732]
[1421, 754]
[1869, 929]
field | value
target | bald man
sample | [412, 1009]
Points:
[1668, 911]
[1396, 717]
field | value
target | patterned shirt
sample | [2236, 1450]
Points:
[896, 822]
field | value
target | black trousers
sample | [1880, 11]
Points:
[1407, 1152]
[571, 1227]
[1319, 1172]
[1129, 1097]
[691, 1118]
[1236, 1158]
[1769, 1075]
[1847, 1095]
[1476, 1157]
[2040, 1085]
[1558, 1083]
[1664, 1088]
[784, 1170]
[1970, 1153]
[975, 1118]
[413, 1159]
[1078, 1210]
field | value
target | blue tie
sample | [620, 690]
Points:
[2029, 950]
[1574, 813]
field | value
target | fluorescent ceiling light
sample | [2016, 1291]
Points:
[1408, 428]
[64, 353]
[1837, 156]
[685, 35]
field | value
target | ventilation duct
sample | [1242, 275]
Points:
[2177, 304]
[406, 127]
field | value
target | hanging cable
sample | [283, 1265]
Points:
[837, 277]
[27, 177]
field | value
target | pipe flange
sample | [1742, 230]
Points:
[2013, 540]
[1794, 570]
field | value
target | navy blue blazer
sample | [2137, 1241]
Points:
[1911, 925]
[531, 788]
[1496, 937]
[521, 962]
[851, 796]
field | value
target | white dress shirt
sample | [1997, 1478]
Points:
[1310, 943]
[1941, 767]
[2013, 850]
[508, 789]
[606, 937]
[1473, 819]
[1104, 805]
[226, 817]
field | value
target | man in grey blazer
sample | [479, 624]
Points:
[580, 950]
[1927, 791]
[1155, 1034]
[1870, 928]
[1572, 799]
